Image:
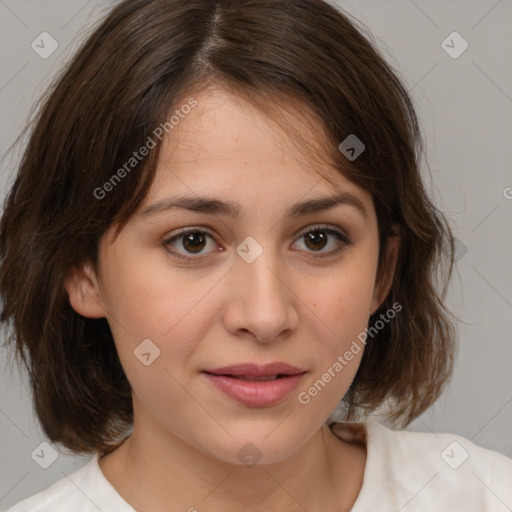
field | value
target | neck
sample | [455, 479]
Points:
[154, 468]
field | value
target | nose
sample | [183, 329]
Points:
[260, 299]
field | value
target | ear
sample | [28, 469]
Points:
[84, 293]
[385, 280]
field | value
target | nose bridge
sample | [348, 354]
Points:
[261, 299]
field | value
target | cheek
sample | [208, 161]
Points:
[342, 304]
[147, 301]
[343, 301]
[338, 350]
[143, 294]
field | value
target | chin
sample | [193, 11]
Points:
[252, 446]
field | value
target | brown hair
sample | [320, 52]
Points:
[129, 74]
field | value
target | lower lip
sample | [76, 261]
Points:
[255, 393]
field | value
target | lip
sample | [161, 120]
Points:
[256, 393]
[254, 370]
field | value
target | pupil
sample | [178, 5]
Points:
[194, 242]
[317, 239]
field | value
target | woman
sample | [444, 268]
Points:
[217, 233]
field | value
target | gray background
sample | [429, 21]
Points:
[465, 106]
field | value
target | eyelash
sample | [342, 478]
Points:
[343, 240]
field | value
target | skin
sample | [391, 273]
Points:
[287, 305]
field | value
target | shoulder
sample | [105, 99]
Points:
[447, 468]
[435, 471]
[85, 490]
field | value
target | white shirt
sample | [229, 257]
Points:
[405, 471]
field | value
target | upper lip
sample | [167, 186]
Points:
[253, 370]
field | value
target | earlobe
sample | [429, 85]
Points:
[384, 282]
[83, 291]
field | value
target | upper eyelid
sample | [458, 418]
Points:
[313, 227]
[306, 229]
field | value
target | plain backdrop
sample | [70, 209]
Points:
[465, 107]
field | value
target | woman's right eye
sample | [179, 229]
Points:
[193, 241]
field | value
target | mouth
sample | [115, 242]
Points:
[254, 385]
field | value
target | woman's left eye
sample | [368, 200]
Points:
[315, 240]
[319, 237]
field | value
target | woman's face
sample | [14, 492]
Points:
[274, 284]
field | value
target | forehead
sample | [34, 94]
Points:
[226, 137]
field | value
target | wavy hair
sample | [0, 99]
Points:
[143, 58]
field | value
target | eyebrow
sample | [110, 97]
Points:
[215, 206]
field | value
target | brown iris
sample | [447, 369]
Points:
[194, 242]
[316, 240]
